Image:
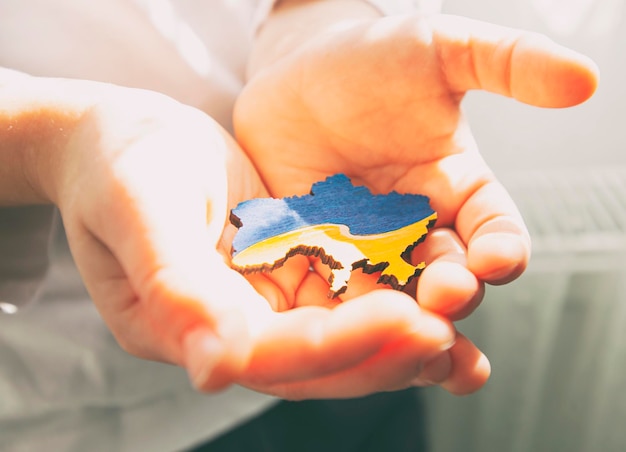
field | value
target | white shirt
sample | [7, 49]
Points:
[65, 385]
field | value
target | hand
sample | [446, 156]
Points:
[380, 100]
[144, 186]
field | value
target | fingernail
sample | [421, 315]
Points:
[202, 352]
[436, 329]
[505, 264]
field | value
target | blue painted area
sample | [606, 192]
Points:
[334, 201]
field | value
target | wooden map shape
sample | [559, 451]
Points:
[347, 227]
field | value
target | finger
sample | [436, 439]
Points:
[283, 286]
[312, 342]
[446, 286]
[470, 368]
[434, 371]
[393, 367]
[468, 198]
[526, 66]
[160, 225]
[359, 283]
[215, 343]
[461, 370]
[310, 289]
[497, 240]
[216, 324]
[112, 294]
[313, 291]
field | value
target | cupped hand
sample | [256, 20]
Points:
[380, 101]
[144, 186]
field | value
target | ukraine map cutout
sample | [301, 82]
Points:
[346, 226]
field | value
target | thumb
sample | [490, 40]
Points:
[217, 352]
[526, 66]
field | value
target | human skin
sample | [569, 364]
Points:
[144, 185]
[334, 88]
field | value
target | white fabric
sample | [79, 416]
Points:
[65, 385]
[556, 338]
[387, 7]
[407, 6]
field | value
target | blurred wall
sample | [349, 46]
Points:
[512, 135]
[556, 337]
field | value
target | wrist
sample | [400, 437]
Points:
[294, 22]
[35, 126]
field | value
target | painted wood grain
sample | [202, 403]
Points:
[346, 226]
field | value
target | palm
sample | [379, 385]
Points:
[357, 108]
[146, 225]
[146, 249]
[380, 101]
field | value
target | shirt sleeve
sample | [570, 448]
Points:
[386, 7]
[391, 7]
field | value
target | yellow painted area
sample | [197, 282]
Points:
[342, 246]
